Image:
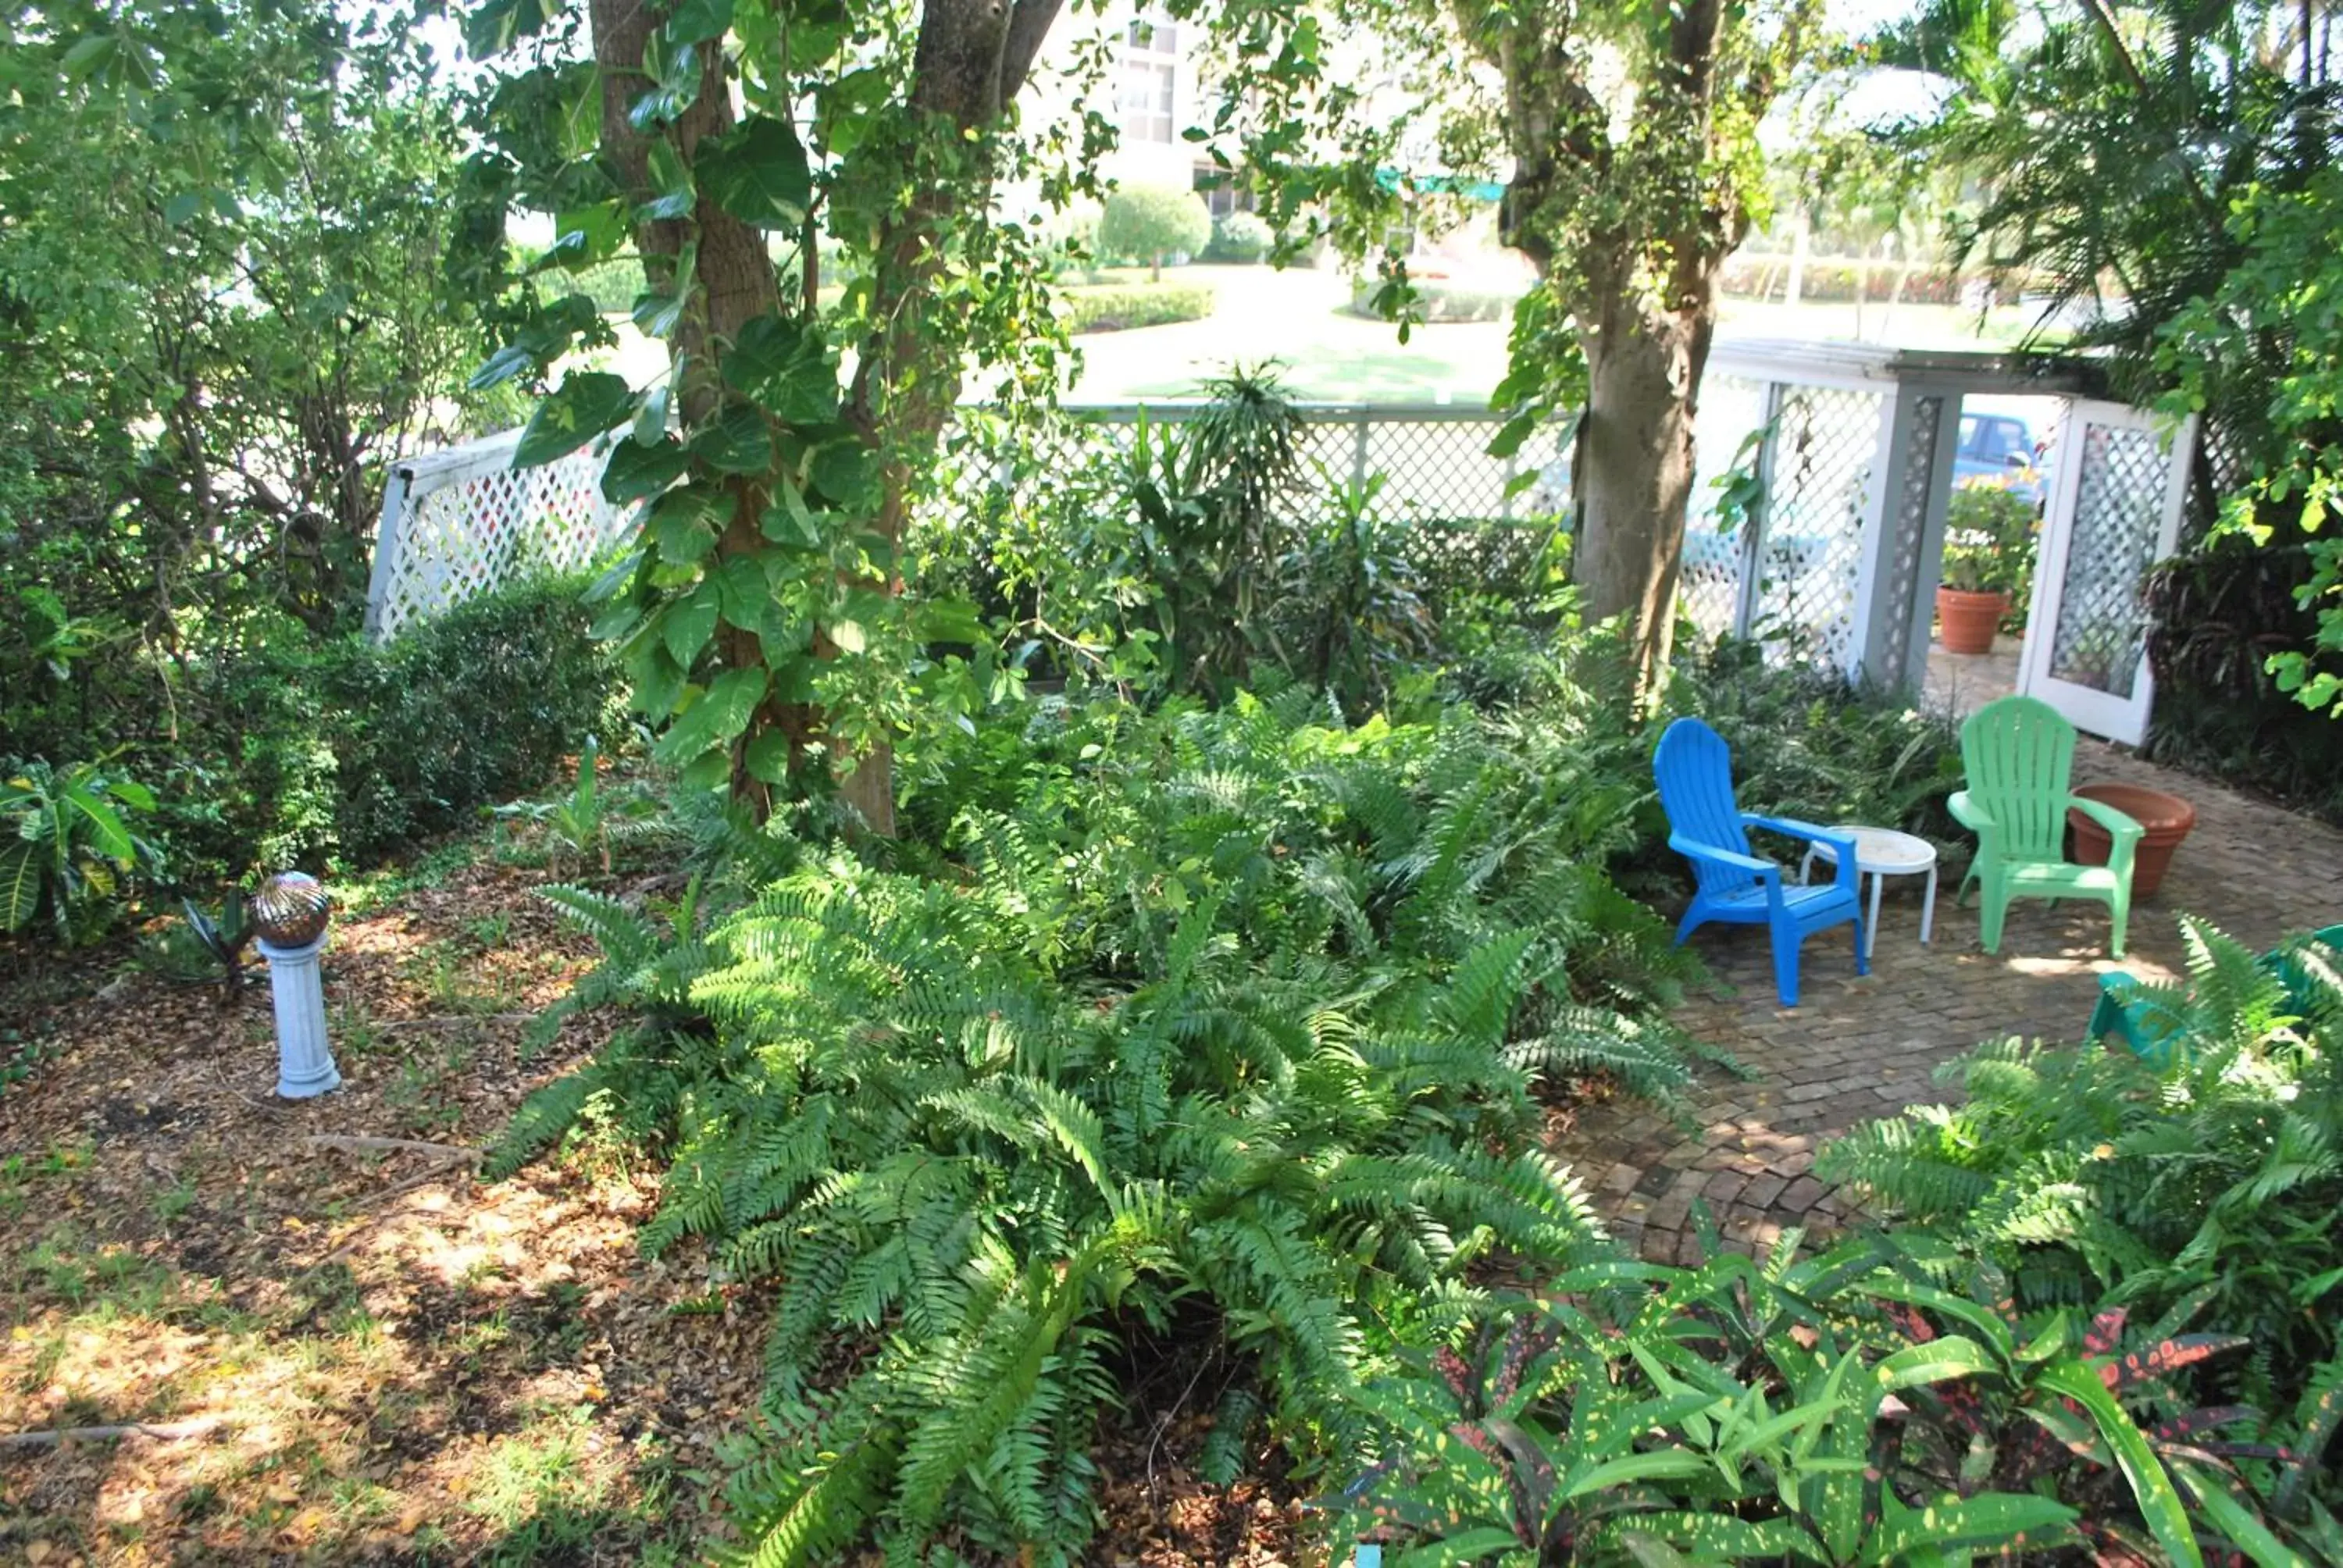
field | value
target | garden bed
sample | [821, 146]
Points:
[363, 1353]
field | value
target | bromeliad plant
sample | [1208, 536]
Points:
[587, 821]
[1828, 1411]
[223, 939]
[68, 840]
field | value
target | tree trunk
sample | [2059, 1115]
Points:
[971, 58]
[735, 282]
[1636, 473]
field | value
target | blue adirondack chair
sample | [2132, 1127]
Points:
[1695, 772]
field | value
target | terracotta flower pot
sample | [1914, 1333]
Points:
[2166, 818]
[1966, 621]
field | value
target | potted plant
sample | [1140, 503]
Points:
[1988, 565]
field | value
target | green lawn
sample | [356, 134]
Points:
[1296, 318]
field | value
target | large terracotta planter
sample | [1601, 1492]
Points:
[1966, 621]
[2166, 818]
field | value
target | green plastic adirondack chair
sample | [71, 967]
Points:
[2019, 756]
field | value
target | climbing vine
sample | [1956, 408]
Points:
[807, 186]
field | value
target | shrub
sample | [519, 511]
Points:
[1829, 1411]
[1111, 308]
[1239, 237]
[1151, 223]
[475, 706]
[2217, 613]
[300, 753]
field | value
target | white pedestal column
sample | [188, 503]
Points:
[305, 1064]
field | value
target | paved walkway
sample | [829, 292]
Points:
[1858, 1049]
[1964, 682]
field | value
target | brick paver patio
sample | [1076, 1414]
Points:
[1861, 1048]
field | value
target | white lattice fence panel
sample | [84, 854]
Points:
[460, 523]
[1810, 556]
[1732, 409]
[1903, 562]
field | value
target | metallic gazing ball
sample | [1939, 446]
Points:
[290, 910]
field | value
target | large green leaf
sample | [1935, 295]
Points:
[20, 883]
[1935, 1361]
[1994, 1519]
[2237, 1522]
[586, 404]
[1665, 1464]
[686, 625]
[697, 21]
[786, 369]
[736, 442]
[2151, 1489]
[722, 712]
[1467, 1547]
[1718, 1537]
[637, 472]
[758, 172]
[106, 834]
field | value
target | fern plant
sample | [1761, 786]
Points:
[2213, 1180]
[1223, 1022]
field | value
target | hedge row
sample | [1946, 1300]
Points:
[1110, 307]
[1834, 283]
[341, 753]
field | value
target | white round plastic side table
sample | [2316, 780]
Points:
[1881, 853]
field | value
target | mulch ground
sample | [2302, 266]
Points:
[347, 1348]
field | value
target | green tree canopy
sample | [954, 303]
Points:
[221, 242]
[1148, 223]
[1630, 135]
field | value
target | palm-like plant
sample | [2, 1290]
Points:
[2111, 144]
[69, 840]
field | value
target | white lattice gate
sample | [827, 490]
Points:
[2115, 512]
[1790, 572]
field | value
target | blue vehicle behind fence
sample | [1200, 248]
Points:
[2000, 450]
